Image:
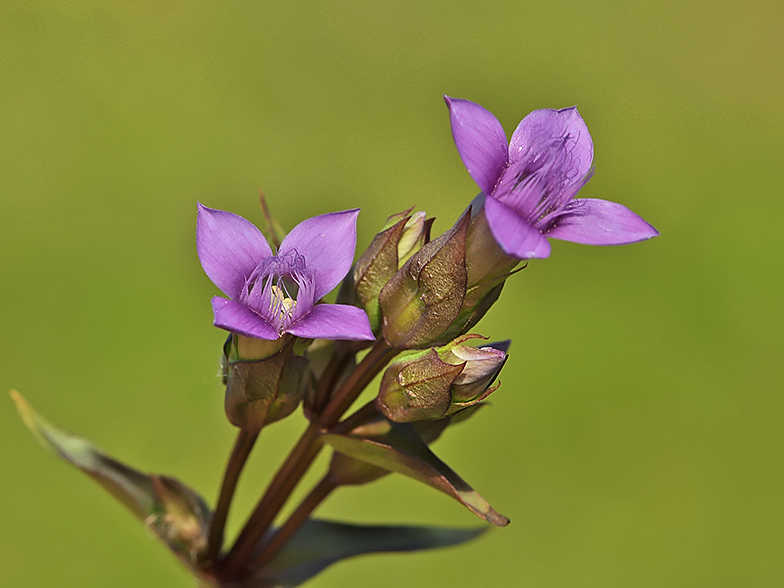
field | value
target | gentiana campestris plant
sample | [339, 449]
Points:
[406, 308]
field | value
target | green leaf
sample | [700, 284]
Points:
[318, 544]
[173, 512]
[347, 471]
[398, 448]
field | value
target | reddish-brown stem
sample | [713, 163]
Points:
[239, 456]
[236, 563]
[299, 516]
[376, 359]
[359, 417]
[330, 376]
[297, 463]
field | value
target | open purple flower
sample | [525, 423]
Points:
[272, 294]
[530, 184]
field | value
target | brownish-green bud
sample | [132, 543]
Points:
[261, 389]
[417, 387]
[426, 295]
[402, 236]
[440, 381]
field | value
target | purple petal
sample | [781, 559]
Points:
[543, 126]
[480, 141]
[327, 243]
[334, 321]
[237, 318]
[598, 222]
[514, 233]
[229, 248]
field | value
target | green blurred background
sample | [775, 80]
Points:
[637, 436]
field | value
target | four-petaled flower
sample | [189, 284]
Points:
[276, 293]
[530, 184]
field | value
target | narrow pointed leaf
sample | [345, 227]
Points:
[347, 471]
[318, 544]
[173, 512]
[399, 448]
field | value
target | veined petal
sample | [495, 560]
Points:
[334, 321]
[327, 242]
[598, 222]
[480, 141]
[237, 318]
[514, 233]
[543, 126]
[229, 248]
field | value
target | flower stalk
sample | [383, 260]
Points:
[314, 498]
[239, 456]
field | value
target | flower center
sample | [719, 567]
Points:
[280, 290]
[281, 303]
[537, 185]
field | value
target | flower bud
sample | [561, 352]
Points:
[482, 365]
[426, 295]
[415, 234]
[417, 387]
[440, 381]
[261, 390]
[402, 236]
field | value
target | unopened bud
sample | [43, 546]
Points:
[402, 236]
[417, 387]
[422, 299]
[415, 234]
[439, 382]
[482, 365]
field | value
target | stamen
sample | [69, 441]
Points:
[281, 306]
[275, 286]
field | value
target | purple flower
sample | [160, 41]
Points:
[272, 294]
[530, 184]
